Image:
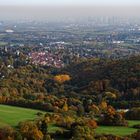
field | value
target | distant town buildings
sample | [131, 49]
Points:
[70, 42]
[45, 58]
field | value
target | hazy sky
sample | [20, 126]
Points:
[70, 2]
[44, 9]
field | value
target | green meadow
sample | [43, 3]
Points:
[11, 116]
[116, 130]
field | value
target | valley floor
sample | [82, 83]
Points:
[11, 116]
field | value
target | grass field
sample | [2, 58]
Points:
[10, 115]
[119, 131]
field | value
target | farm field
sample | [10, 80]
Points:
[116, 130]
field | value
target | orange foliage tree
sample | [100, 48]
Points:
[112, 118]
[62, 78]
[29, 130]
[92, 124]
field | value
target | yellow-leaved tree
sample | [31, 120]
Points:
[65, 107]
[61, 78]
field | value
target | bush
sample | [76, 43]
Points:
[136, 135]
[109, 137]
[8, 133]
[92, 124]
[82, 133]
[30, 131]
[133, 114]
[137, 126]
[112, 118]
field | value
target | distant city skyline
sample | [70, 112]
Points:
[71, 2]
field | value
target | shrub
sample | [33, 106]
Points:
[133, 114]
[112, 118]
[82, 133]
[137, 126]
[92, 124]
[109, 137]
[136, 135]
[29, 130]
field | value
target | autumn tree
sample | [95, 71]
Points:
[110, 95]
[62, 78]
[82, 133]
[112, 118]
[92, 123]
[103, 105]
[43, 126]
[95, 109]
[65, 107]
[30, 131]
[8, 133]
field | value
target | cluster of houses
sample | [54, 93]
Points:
[46, 58]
